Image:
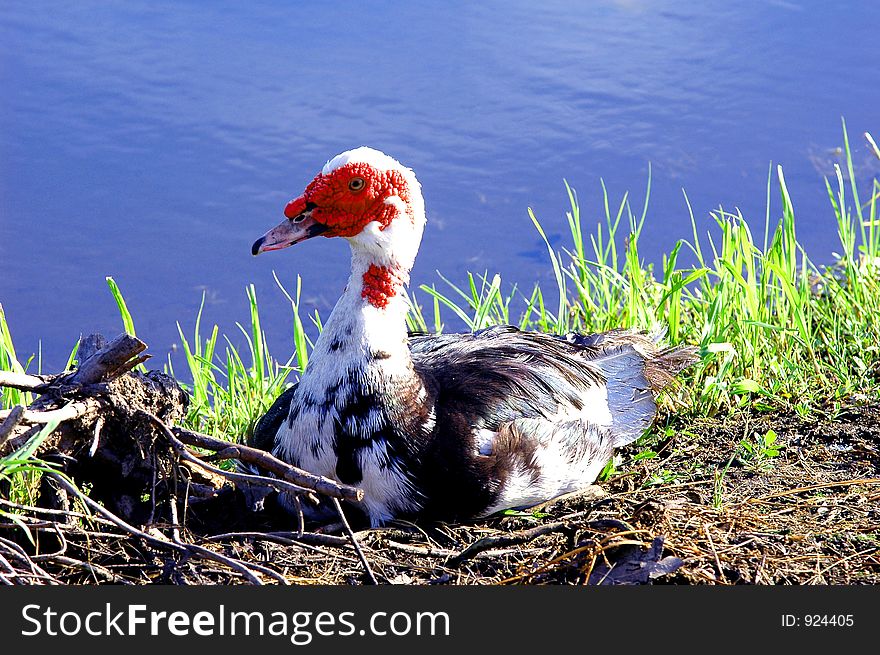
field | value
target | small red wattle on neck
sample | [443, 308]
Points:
[380, 285]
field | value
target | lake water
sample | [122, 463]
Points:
[153, 142]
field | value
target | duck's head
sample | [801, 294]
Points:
[366, 197]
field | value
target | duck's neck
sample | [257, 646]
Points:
[366, 330]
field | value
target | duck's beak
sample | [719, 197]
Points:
[298, 226]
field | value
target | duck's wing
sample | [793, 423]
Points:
[535, 415]
[263, 436]
[502, 374]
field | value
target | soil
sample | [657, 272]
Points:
[695, 507]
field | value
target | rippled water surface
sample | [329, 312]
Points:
[154, 142]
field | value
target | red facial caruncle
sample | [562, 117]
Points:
[380, 285]
[350, 197]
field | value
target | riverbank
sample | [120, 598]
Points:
[705, 509]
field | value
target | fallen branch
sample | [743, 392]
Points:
[503, 541]
[174, 544]
[270, 463]
[813, 487]
[354, 542]
[9, 422]
[180, 447]
[110, 516]
[71, 410]
[285, 538]
[95, 569]
[24, 381]
[18, 554]
[100, 361]
[232, 563]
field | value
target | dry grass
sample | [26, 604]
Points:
[703, 510]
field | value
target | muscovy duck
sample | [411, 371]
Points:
[448, 426]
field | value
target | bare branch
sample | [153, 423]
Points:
[73, 409]
[109, 361]
[24, 382]
[285, 538]
[8, 425]
[95, 569]
[273, 465]
[502, 541]
[234, 564]
[354, 542]
[180, 448]
[118, 522]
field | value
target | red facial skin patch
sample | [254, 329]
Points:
[346, 210]
[347, 207]
[295, 207]
[380, 285]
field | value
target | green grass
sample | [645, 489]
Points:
[776, 330]
[758, 451]
[230, 390]
[9, 362]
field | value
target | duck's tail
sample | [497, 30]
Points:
[662, 363]
[662, 368]
[636, 367]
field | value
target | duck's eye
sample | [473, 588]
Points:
[299, 219]
[357, 183]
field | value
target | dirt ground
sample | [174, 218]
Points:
[696, 507]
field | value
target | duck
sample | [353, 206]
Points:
[444, 427]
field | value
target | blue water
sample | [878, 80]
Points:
[153, 142]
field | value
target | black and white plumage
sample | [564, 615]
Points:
[444, 426]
